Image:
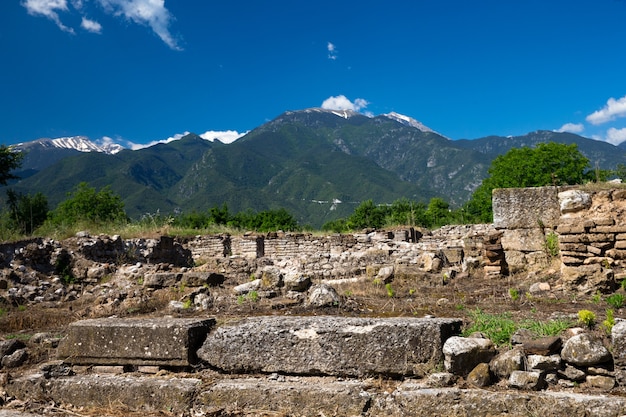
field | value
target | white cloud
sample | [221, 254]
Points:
[150, 13]
[227, 136]
[572, 128]
[91, 25]
[611, 111]
[616, 136]
[341, 102]
[49, 9]
[332, 51]
[145, 12]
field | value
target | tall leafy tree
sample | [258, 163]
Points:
[9, 161]
[27, 212]
[546, 164]
[85, 203]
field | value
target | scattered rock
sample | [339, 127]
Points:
[585, 350]
[323, 296]
[462, 354]
[480, 376]
[526, 380]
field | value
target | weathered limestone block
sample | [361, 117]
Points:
[480, 376]
[618, 339]
[173, 395]
[159, 341]
[524, 240]
[289, 397]
[454, 256]
[411, 399]
[503, 365]
[544, 363]
[572, 201]
[162, 279]
[585, 350]
[329, 345]
[525, 208]
[528, 380]
[462, 354]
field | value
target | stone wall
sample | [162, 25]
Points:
[588, 224]
[452, 249]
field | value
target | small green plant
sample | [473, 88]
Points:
[187, 304]
[21, 307]
[253, 296]
[140, 281]
[596, 298]
[241, 299]
[609, 322]
[551, 244]
[412, 291]
[514, 294]
[390, 291]
[587, 318]
[623, 284]
[377, 281]
[348, 293]
[252, 277]
[615, 300]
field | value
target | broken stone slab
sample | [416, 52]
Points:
[585, 350]
[171, 395]
[329, 345]
[462, 354]
[293, 396]
[162, 341]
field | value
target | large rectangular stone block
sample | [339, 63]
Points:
[329, 345]
[151, 341]
[526, 208]
[119, 394]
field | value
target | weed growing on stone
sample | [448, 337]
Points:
[615, 300]
[551, 244]
[587, 318]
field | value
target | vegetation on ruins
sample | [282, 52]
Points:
[546, 164]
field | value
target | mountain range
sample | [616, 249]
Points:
[318, 164]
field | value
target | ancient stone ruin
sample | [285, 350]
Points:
[174, 362]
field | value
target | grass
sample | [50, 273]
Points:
[499, 327]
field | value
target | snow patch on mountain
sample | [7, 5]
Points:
[77, 143]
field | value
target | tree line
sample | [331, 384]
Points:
[546, 164]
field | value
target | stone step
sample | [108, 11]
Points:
[163, 341]
[109, 392]
[289, 395]
[329, 345]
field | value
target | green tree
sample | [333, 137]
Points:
[367, 214]
[406, 212]
[546, 164]
[87, 204]
[9, 161]
[219, 215]
[27, 213]
[437, 213]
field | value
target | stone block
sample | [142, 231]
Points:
[524, 240]
[288, 396]
[111, 392]
[525, 208]
[112, 341]
[329, 345]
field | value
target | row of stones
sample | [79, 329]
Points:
[533, 364]
[597, 241]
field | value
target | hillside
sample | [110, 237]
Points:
[317, 164]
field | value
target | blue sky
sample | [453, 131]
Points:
[139, 71]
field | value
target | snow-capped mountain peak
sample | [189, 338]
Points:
[83, 144]
[408, 121]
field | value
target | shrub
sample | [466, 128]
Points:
[587, 317]
[551, 244]
[609, 322]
